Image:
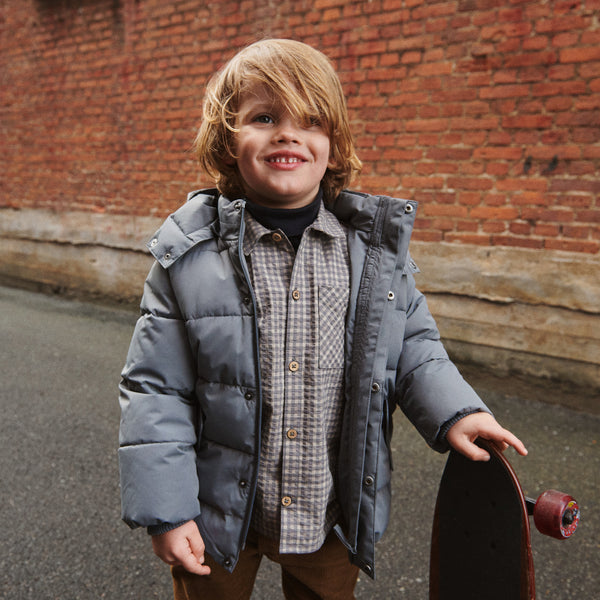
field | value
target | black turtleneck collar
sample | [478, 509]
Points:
[292, 221]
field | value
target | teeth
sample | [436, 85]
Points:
[284, 159]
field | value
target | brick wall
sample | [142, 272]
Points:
[486, 111]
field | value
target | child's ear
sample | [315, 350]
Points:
[228, 160]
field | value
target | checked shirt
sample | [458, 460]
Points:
[302, 301]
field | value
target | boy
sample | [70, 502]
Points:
[280, 328]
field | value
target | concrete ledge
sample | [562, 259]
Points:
[78, 228]
[88, 254]
[501, 274]
[87, 271]
[515, 310]
[540, 341]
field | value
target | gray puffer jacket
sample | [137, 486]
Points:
[191, 387]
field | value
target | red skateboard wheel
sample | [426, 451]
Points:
[556, 514]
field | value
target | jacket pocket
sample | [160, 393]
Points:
[332, 308]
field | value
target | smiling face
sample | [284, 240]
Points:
[281, 162]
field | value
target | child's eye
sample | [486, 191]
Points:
[265, 119]
[314, 121]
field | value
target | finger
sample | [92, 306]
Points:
[517, 444]
[505, 438]
[471, 450]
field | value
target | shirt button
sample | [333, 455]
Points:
[294, 366]
[286, 501]
[296, 295]
[292, 434]
[277, 237]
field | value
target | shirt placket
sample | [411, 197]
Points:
[293, 430]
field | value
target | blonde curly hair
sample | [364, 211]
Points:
[304, 80]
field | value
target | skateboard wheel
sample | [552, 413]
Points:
[556, 514]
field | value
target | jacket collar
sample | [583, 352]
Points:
[207, 214]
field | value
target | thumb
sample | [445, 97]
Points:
[197, 549]
[196, 544]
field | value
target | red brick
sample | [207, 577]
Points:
[494, 227]
[466, 123]
[561, 40]
[539, 42]
[427, 125]
[495, 152]
[497, 169]
[531, 58]
[504, 91]
[423, 182]
[470, 183]
[509, 30]
[519, 185]
[588, 216]
[494, 212]
[545, 230]
[431, 69]
[557, 88]
[580, 232]
[527, 122]
[427, 236]
[562, 23]
[520, 228]
[468, 238]
[437, 210]
[586, 54]
[467, 226]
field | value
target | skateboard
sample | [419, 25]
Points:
[481, 538]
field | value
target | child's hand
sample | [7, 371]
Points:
[463, 433]
[182, 546]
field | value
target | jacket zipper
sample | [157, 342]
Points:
[244, 265]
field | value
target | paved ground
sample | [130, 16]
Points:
[61, 533]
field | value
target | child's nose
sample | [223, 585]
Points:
[288, 131]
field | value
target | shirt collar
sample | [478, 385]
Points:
[326, 223]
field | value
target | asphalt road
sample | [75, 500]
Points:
[62, 537]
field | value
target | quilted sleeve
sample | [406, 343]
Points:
[157, 437]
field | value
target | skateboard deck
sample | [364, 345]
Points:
[481, 538]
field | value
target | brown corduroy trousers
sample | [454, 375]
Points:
[326, 574]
